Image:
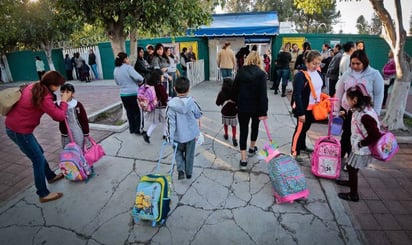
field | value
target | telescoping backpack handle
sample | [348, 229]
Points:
[164, 143]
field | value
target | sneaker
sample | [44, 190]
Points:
[181, 175]
[243, 165]
[349, 197]
[308, 150]
[283, 95]
[276, 92]
[146, 138]
[225, 136]
[252, 152]
[234, 142]
[299, 159]
[188, 176]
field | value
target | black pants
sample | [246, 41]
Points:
[299, 136]
[133, 113]
[385, 91]
[244, 118]
[332, 87]
[345, 145]
[69, 74]
[40, 74]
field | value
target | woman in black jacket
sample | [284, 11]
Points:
[250, 94]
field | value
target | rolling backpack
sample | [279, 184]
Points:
[146, 98]
[288, 180]
[326, 156]
[153, 192]
[73, 164]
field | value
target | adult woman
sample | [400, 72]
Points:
[171, 70]
[36, 99]
[226, 61]
[359, 72]
[250, 95]
[302, 100]
[389, 71]
[141, 65]
[128, 79]
[160, 61]
[282, 70]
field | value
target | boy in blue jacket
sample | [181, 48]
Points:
[183, 113]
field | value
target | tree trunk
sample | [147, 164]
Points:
[114, 30]
[47, 49]
[399, 96]
[395, 36]
[133, 45]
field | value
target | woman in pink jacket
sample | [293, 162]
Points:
[36, 99]
[389, 71]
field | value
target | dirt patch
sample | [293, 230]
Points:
[110, 118]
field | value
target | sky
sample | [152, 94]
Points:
[351, 10]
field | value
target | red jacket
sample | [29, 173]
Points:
[24, 117]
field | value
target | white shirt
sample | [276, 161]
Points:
[317, 85]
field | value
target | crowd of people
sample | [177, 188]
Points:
[360, 91]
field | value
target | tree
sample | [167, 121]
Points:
[376, 25]
[395, 35]
[410, 25]
[285, 8]
[237, 6]
[44, 25]
[362, 25]
[309, 21]
[307, 18]
[125, 18]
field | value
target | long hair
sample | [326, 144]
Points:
[226, 87]
[155, 77]
[359, 92]
[41, 88]
[253, 58]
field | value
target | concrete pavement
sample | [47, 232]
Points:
[219, 205]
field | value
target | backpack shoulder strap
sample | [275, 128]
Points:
[312, 89]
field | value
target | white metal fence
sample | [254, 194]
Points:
[196, 72]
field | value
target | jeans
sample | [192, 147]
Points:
[32, 149]
[226, 72]
[134, 116]
[172, 92]
[244, 118]
[185, 156]
[94, 69]
[282, 73]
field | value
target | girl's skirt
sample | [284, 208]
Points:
[359, 161]
[229, 120]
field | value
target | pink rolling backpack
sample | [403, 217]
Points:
[326, 157]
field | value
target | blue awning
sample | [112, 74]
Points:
[240, 24]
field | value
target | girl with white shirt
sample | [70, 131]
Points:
[302, 100]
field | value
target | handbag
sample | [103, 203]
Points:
[94, 153]
[321, 108]
[8, 98]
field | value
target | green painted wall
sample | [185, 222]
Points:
[22, 64]
[23, 68]
[376, 47]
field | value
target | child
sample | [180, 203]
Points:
[76, 118]
[182, 114]
[158, 115]
[84, 72]
[229, 111]
[364, 122]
